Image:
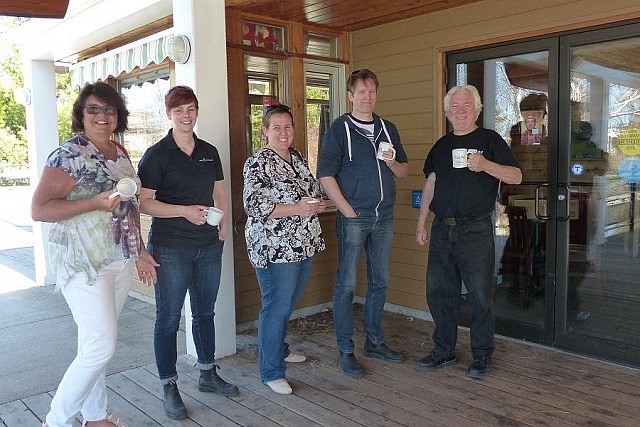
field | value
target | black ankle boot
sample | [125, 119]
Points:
[173, 404]
[210, 381]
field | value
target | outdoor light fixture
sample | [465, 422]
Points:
[178, 48]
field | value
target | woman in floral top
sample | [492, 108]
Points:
[93, 246]
[281, 198]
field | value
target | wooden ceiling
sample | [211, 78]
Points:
[345, 15]
[34, 8]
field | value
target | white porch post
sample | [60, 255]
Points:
[42, 136]
[204, 24]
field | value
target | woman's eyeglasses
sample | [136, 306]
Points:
[277, 107]
[96, 109]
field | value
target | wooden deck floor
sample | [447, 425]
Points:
[529, 385]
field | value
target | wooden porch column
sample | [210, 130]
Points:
[42, 136]
[203, 22]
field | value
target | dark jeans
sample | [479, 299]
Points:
[374, 235]
[196, 270]
[461, 252]
[281, 285]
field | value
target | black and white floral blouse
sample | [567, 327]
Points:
[271, 180]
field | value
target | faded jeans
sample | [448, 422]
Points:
[281, 285]
[183, 269]
[373, 235]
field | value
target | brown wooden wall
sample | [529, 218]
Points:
[320, 286]
[408, 57]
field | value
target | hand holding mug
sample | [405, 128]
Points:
[310, 206]
[386, 151]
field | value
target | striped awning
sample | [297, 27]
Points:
[121, 60]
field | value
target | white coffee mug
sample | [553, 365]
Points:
[214, 216]
[126, 188]
[459, 158]
[384, 146]
[311, 200]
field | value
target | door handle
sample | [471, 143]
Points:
[536, 205]
[567, 199]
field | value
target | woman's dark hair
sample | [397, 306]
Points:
[179, 95]
[104, 93]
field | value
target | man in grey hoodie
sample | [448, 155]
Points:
[359, 177]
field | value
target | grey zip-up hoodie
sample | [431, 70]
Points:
[350, 157]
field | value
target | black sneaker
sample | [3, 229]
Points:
[431, 362]
[480, 367]
[349, 365]
[381, 351]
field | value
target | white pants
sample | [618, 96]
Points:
[95, 310]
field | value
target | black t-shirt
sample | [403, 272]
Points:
[179, 179]
[461, 193]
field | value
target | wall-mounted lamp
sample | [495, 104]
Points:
[177, 48]
[22, 95]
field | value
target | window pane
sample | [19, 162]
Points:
[148, 121]
[264, 82]
[318, 94]
[260, 35]
[320, 45]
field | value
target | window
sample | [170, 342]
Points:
[264, 81]
[318, 45]
[325, 95]
[148, 123]
[264, 36]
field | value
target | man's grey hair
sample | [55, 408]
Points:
[469, 88]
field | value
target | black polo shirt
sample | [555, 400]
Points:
[179, 179]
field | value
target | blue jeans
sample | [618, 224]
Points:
[461, 253]
[374, 235]
[281, 285]
[198, 271]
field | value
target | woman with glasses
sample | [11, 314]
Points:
[182, 178]
[281, 199]
[93, 246]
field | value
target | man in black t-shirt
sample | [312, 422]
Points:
[462, 193]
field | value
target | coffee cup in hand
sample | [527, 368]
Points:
[214, 216]
[310, 200]
[126, 188]
[383, 148]
[459, 158]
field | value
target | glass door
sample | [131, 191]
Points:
[515, 86]
[597, 310]
[567, 249]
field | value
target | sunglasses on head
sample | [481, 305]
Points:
[96, 109]
[277, 107]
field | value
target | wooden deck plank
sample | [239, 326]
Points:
[530, 385]
[337, 398]
[143, 399]
[434, 390]
[227, 406]
[257, 397]
[198, 413]
[495, 394]
[121, 399]
[291, 403]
